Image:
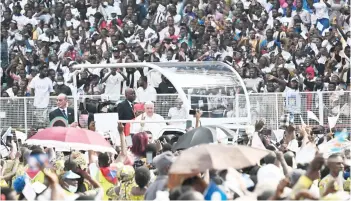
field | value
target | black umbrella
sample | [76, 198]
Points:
[201, 135]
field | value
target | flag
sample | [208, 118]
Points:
[257, 142]
[6, 134]
[21, 136]
[342, 136]
[311, 115]
[213, 192]
[302, 121]
[32, 172]
[306, 154]
[279, 134]
[333, 120]
[110, 174]
[4, 150]
[333, 146]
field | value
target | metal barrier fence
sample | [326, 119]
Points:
[271, 106]
[20, 113]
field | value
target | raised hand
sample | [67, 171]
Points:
[120, 128]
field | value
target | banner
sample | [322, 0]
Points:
[293, 102]
[106, 123]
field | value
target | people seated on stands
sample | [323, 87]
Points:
[149, 115]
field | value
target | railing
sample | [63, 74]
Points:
[22, 115]
[271, 106]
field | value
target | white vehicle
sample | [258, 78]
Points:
[213, 87]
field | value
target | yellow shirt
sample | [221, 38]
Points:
[136, 197]
[35, 35]
[3, 183]
[347, 185]
[303, 183]
[126, 189]
[105, 184]
[67, 192]
[323, 184]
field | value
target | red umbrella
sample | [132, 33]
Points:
[69, 138]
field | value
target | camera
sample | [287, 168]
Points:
[99, 106]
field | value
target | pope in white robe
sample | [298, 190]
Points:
[149, 115]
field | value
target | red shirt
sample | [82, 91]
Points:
[72, 54]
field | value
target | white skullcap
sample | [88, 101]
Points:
[149, 103]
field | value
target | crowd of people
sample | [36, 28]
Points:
[294, 169]
[274, 45]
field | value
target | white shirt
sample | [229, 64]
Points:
[95, 71]
[66, 73]
[153, 78]
[63, 48]
[215, 100]
[75, 12]
[42, 89]
[160, 14]
[32, 21]
[46, 18]
[113, 86]
[53, 66]
[136, 78]
[22, 3]
[165, 32]
[175, 113]
[117, 6]
[252, 84]
[145, 95]
[150, 34]
[321, 10]
[285, 20]
[91, 11]
[305, 16]
[90, 14]
[72, 23]
[154, 128]
[21, 21]
[64, 111]
[177, 19]
[104, 46]
[112, 9]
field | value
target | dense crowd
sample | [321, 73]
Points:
[274, 45]
[292, 168]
